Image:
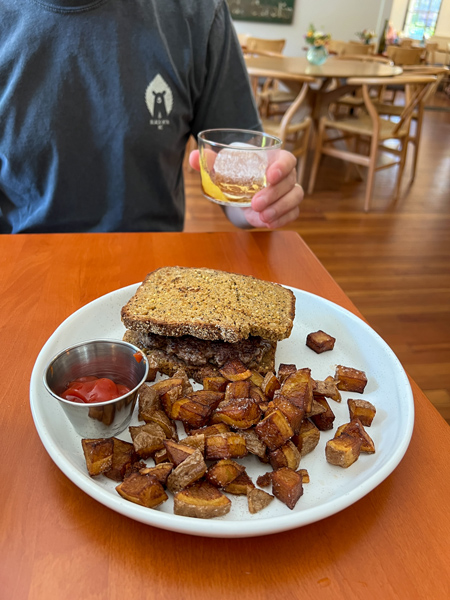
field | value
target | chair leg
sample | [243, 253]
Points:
[416, 142]
[301, 163]
[401, 167]
[371, 172]
[317, 155]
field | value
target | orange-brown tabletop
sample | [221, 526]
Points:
[59, 542]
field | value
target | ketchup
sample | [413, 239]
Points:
[90, 389]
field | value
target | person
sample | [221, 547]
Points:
[98, 99]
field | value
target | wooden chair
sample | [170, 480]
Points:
[374, 128]
[294, 126]
[261, 46]
[405, 56]
[431, 49]
[341, 48]
[395, 110]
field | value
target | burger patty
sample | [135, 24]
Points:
[200, 358]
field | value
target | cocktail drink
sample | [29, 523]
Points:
[233, 164]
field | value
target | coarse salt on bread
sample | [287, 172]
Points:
[211, 305]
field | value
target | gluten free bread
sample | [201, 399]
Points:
[210, 305]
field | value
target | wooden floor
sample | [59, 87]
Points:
[394, 262]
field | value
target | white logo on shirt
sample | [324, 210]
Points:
[159, 101]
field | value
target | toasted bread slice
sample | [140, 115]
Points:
[210, 305]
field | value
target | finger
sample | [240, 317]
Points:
[284, 208]
[272, 194]
[194, 160]
[282, 166]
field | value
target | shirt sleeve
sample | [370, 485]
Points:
[226, 99]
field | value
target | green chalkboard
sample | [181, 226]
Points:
[266, 11]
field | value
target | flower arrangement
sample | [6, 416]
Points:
[366, 35]
[316, 38]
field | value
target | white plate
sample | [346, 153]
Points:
[331, 488]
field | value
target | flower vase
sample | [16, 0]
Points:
[317, 55]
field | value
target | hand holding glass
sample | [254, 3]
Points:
[234, 162]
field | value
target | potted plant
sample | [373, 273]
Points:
[317, 41]
[365, 36]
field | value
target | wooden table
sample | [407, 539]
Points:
[58, 543]
[333, 69]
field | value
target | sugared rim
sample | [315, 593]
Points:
[86, 343]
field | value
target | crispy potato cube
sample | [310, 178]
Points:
[274, 430]
[123, 457]
[237, 389]
[356, 428]
[225, 445]
[215, 384]
[298, 388]
[156, 415]
[343, 451]
[191, 412]
[147, 439]
[149, 395]
[235, 370]
[307, 438]
[143, 489]
[364, 410]
[197, 442]
[169, 398]
[224, 472]
[285, 456]
[319, 341]
[327, 388]
[257, 500]
[210, 430]
[350, 380]
[287, 486]
[292, 412]
[304, 475]
[152, 373]
[270, 385]
[98, 455]
[323, 421]
[177, 452]
[202, 501]
[187, 472]
[264, 480]
[161, 456]
[317, 408]
[161, 472]
[241, 413]
[253, 443]
[284, 370]
[240, 486]
[257, 394]
[256, 378]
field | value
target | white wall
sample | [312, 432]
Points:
[398, 14]
[342, 19]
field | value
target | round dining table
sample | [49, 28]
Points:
[333, 70]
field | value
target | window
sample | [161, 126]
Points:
[421, 18]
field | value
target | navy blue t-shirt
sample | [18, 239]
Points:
[97, 101]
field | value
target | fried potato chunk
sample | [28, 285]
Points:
[274, 430]
[143, 489]
[177, 452]
[224, 472]
[241, 486]
[319, 341]
[237, 389]
[350, 380]
[225, 445]
[258, 500]
[287, 486]
[284, 370]
[356, 428]
[270, 385]
[161, 472]
[187, 472]
[343, 451]
[149, 395]
[286, 455]
[253, 443]
[298, 388]
[156, 415]
[327, 388]
[147, 439]
[323, 421]
[215, 384]
[235, 370]
[292, 412]
[364, 410]
[307, 438]
[123, 457]
[202, 501]
[240, 413]
[98, 454]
